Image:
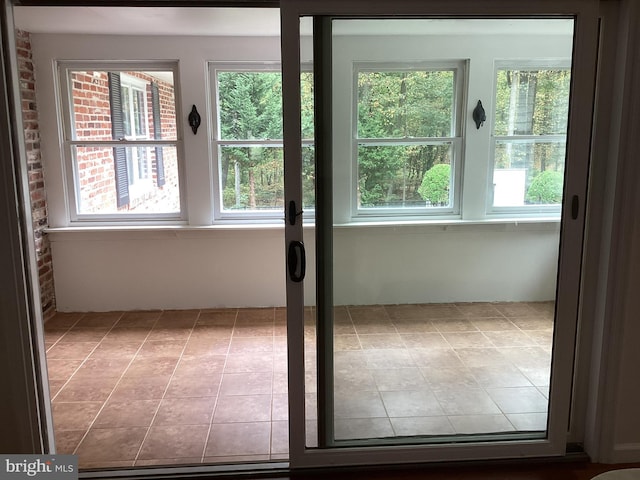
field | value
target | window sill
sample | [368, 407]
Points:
[186, 231]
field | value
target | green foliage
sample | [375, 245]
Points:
[435, 185]
[532, 102]
[250, 105]
[401, 104]
[546, 188]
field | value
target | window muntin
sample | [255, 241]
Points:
[407, 140]
[248, 145]
[121, 142]
[529, 138]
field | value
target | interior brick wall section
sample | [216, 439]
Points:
[36, 172]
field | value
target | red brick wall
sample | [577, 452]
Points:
[36, 172]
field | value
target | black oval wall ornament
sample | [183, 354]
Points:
[479, 115]
[194, 119]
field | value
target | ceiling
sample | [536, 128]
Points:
[252, 22]
[150, 21]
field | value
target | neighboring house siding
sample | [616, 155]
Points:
[96, 172]
[36, 173]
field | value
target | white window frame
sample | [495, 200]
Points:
[67, 142]
[242, 216]
[525, 211]
[459, 67]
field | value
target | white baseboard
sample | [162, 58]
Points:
[626, 453]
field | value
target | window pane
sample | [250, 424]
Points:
[306, 101]
[308, 177]
[406, 104]
[404, 176]
[127, 180]
[250, 105]
[252, 178]
[528, 173]
[532, 102]
[140, 92]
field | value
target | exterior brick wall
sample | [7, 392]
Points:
[36, 173]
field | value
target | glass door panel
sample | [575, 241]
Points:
[445, 331]
[447, 182]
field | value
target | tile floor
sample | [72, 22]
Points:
[194, 386]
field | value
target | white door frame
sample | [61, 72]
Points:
[25, 406]
[569, 274]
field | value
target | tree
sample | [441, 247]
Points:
[435, 185]
[546, 188]
[401, 105]
[250, 109]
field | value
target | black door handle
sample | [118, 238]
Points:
[296, 249]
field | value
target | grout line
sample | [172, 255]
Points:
[155, 414]
[215, 404]
[112, 390]
[271, 421]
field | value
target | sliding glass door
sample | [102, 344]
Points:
[438, 317]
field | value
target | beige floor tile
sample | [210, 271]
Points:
[280, 437]
[346, 342]
[83, 335]
[519, 399]
[74, 415]
[72, 351]
[410, 426]
[68, 440]
[436, 357]
[104, 320]
[243, 409]
[510, 338]
[399, 379]
[467, 340]
[424, 340]
[239, 439]
[500, 376]
[469, 424]
[139, 319]
[477, 310]
[257, 362]
[395, 312]
[140, 388]
[362, 428]
[228, 366]
[182, 386]
[528, 421]
[411, 404]
[161, 348]
[104, 445]
[353, 380]
[87, 389]
[128, 413]
[465, 401]
[381, 341]
[515, 309]
[362, 404]
[448, 325]
[392, 358]
[174, 441]
[459, 376]
[185, 411]
[246, 383]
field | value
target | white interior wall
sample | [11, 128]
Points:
[214, 266]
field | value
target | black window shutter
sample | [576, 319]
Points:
[117, 131]
[157, 133]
